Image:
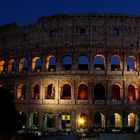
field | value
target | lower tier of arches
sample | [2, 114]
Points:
[74, 118]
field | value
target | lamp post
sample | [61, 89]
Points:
[81, 122]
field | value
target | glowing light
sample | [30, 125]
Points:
[81, 121]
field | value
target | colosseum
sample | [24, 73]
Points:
[69, 71]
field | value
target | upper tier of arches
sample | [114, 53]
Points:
[68, 62]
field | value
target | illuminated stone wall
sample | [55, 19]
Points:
[76, 66]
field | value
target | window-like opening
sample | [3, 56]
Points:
[12, 66]
[51, 63]
[116, 95]
[65, 121]
[48, 120]
[115, 32]
[22, 119]
[83, 63]
[67, 63]
[66, 92]
[23, 65]
[99, 92]
[52, 33]
[131, 64]
[36, 64]
[21, 92]
[82, 31]
[99, 62]
[133, 121]
[82, 121]
[99, 120]
[131, 93]
[2, 67]
[34, 120]
[50, 92]
[115, 63]
[82, 92]
[36, 92]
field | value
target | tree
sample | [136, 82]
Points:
[9, 116]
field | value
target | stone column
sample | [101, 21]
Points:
[40, 119]
[125, 62]
[124, 91]
[43, 63]
[29, 64]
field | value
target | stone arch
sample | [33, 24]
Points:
[66, 92]
[48, 120]
[83, 62]
[12, 66]
[21, 91]
[116, 120]
[65, 120]
[99, 62]
[67, 62]
[116, 92]
[99, 92]
[34, 120]
[82, 120]
[22, 119]
[82, 92]
[2, 66]
[133, 121]
[23, 65]
[131, 63]
[50, 63]
[36, 92]
[116, 64]
[36, 64]
[50, 91]
[99, 120]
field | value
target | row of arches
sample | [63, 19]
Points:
[83, 63]
[81, 93]
[116, 120]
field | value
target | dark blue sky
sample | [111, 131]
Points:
[27, 11]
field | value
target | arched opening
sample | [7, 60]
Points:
[36, 92]
[66, 92]
[131, 93]
[82, 92]
[133, 121]
[22, 119]
[99, 120]
[65, 121]
[23, 65]
[131, 63]
[116, 92]
[99, 92]
[50, 92]
[48, 120]
[67, 63]
[99, 62]
[36, 64]
[83, 62]
[118, 120]
[34, 120]
[51, 63]
[21, 92]
[82, 121]
[116, 63]
[12, 66]
[2, 67]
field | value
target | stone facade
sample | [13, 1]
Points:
[67, 67]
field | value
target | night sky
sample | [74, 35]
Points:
[27, 11]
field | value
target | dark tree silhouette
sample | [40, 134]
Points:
[9, 116]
